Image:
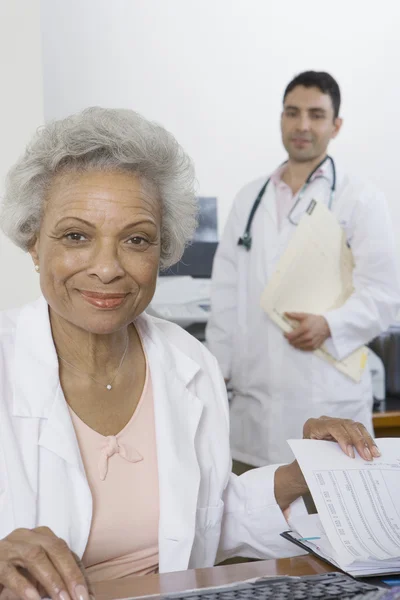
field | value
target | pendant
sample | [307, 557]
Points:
[109, 386]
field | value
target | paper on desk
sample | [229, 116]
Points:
[315, 275]
[309, 531]
[180, 290]
[357, 500]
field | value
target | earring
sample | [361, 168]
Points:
[37, 268]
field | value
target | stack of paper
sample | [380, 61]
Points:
[315, 275]
[358, 523]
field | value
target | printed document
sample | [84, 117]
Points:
[315, 275]
[358, 523]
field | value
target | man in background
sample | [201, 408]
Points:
[277, 381]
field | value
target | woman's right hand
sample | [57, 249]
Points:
[36, 559]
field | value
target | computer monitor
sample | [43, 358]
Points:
[198, 257]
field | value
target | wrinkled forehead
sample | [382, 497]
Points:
[112, 194]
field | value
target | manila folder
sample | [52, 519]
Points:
[315, 275]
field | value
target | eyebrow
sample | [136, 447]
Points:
[88, 224]
[312, 109]
[317, 110]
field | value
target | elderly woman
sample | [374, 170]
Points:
[114, 437]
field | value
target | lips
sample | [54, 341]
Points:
[102, 300]
[300, 141]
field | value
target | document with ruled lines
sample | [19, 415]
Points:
[358, 523]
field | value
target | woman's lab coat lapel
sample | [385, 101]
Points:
[57, 479]
[177, 415]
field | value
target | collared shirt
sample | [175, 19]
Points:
[284, 197]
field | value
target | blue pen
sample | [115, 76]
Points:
[391, 581]
[308, 539]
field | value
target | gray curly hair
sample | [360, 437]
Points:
[103, 139]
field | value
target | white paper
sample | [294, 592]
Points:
[309, 530]
[358, 502]
[180, 290]
[315, 275]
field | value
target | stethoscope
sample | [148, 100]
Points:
[246, 239]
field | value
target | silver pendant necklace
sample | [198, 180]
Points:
[108, 386]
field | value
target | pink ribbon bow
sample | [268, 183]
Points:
[113, 446]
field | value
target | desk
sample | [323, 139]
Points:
[387, 424]
[196, 578]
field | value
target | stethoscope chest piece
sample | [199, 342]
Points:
[245, 241]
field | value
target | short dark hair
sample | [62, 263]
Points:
[321, 80]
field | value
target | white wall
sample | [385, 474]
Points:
[213, 72]
[21, 102]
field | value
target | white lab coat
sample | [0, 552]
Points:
[203, 507]
[276, 388]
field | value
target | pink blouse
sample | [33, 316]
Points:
[123, 478]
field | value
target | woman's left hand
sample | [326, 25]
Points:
[349, 435]
[289, 481]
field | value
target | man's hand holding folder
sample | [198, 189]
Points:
[310, 333]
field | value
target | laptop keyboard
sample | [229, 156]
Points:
[330, 586]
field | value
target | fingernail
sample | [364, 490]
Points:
[31, 594]
[375, 451]
[350, 451]
[64, 595]
[367, 453]
[81, 592]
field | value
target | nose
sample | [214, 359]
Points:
[106, 264]
[303, 122]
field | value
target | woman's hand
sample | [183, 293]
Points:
[36, 559]
[289, 481]
[347, 433]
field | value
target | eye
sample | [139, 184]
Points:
[75, 237]
[137, 240]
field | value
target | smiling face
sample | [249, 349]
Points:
[98, 248]
[308, 123]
